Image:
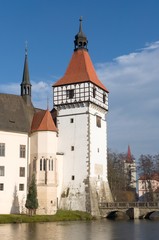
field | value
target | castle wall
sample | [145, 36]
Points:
[13, 196]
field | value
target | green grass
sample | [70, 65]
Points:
[61, 215]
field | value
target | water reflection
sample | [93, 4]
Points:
[95, 230]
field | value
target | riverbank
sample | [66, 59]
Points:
[61, 215]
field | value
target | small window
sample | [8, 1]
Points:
[2, 170]
[73, 177]
[104, 97]
[49, 164]
[98, 121]
[71, 120]
[44, 164]
[22, 151]
[97, 149]
[1, 186]
[52, 165]
[70, 93]
[2, 149]
[72, 148]
[22, 171]
[21, 187]
[94, 92]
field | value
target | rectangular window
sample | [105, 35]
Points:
[52, 165]
[44, 164]
[73, 177]
[104, 97]
[21, 187]
[94, 92]
[98, 121]
[71, 120]
[22, 171]
[1, 186]
[2, 149]
[72, 148]
[41, 164]
[70, 93]
[49, 164]
[22, 151]
[2, 171]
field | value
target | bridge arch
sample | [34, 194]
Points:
[117, 214]
[148, 214]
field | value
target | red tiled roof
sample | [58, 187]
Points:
[80, 69]
[42, 121]
[153, 176]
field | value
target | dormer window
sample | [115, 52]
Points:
[94, 92]
[70, 93]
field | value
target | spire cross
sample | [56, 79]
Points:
[80, 28]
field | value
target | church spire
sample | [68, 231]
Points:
[80, 38]
[129, 158]
[26, 85]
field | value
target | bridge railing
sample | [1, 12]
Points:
[114, 205]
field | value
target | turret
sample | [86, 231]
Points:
[80, 39]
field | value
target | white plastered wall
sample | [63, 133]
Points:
[11, 180]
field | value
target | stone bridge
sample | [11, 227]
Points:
[134, 210]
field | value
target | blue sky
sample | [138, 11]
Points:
[123, 42]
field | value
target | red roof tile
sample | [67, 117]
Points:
[42, 121]
[80, 69]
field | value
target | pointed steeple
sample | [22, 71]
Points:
[129, 158]
[80, 38]
[26, 85]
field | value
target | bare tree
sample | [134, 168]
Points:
[146, 169]
[116, 175]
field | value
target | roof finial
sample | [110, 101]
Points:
[80, 38]
[47, 102]
[80, 27]
[26, 48]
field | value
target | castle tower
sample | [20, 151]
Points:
[81, 101]
[26, 85]
[43, 142]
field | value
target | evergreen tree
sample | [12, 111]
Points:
[32, 201]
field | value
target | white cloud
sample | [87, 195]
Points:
[41, 92]
[133, 82]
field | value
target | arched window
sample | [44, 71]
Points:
[44, 164]
[51, 165]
